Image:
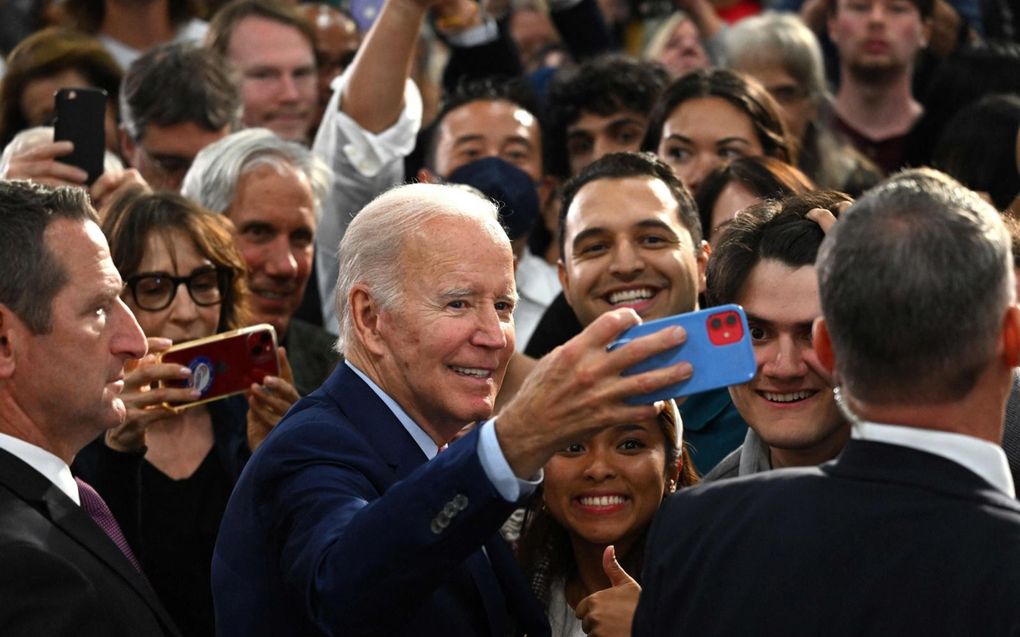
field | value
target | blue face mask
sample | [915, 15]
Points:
[508, 186]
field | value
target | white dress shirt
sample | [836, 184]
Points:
[984, 458]
[53, 468]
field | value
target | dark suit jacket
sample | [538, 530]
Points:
[885, 540]
[59, 572]
[338, 526]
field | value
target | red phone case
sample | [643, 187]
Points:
[225, 364]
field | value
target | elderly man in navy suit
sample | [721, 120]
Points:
[913, 529]
[347, 521]
[65, 568]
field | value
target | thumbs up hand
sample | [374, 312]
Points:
[610, 612]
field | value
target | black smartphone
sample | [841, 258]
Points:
[81, 118]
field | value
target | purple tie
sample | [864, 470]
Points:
[93, 504]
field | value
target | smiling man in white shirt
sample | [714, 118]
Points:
[914, 528]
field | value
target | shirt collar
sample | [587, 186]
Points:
[984, 458]
[423, 440]
[53, 468]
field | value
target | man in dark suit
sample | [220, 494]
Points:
[913, 529]
[348, 520]
[64, 338]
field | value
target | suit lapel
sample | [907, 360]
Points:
[374, 421]
[522, 603]
[33, 487]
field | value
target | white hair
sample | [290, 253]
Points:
[214, 175]
[372, 247]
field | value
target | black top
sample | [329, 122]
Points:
[172, 524]
[558, 325]
[179, 523]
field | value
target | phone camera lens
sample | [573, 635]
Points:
[731, 320]
[716, 323]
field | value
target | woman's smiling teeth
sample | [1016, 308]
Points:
[629, 296]
[787, 398]
[602, 500]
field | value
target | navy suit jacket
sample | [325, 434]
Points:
[60, 574]
[885, 540]
[339, 526]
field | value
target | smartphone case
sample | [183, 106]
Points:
[224, 364]
[81, 118]
[718, 346]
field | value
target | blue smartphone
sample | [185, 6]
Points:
[718, 346]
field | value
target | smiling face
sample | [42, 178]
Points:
[489, 128]
[702, 133]
[445, 345]
[278, 77]
[274, 217]
[625, 247]
[606, 490]
[183, 319]
[93, 334]
[789, 401]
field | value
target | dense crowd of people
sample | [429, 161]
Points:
[447, 212]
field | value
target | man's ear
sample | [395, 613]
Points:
[822, 344]
[702, 254]
[426, 176]
[365, 318]
[1011, 336]
[127, 146]
[9, 340]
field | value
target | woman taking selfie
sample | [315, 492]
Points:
[585, 528]
[167, 476]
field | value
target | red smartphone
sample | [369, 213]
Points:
[224, 364]
[81, 118]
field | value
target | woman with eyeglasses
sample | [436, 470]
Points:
[167, 476]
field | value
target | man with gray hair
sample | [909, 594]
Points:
[175, 100]
[914, 528]
[273, 191]
[348, 520]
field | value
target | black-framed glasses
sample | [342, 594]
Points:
[155, 291]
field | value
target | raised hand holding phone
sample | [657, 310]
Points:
[146, 389]
[718, 347]
[80, 119]
[224, 364]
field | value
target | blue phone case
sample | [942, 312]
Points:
[718, 346]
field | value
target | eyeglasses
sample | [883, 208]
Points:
[166, 164]
[155, 291]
